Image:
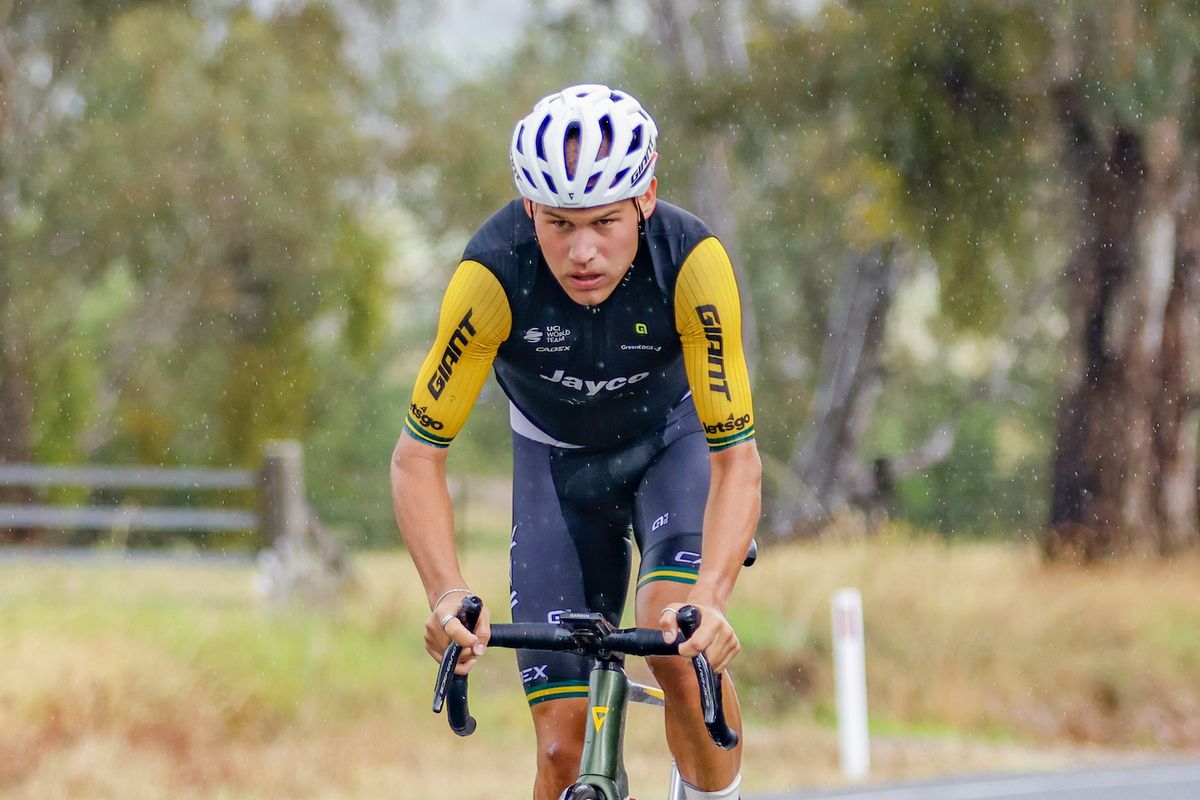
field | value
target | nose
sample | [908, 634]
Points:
[583, 247]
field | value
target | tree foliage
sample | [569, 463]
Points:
[220, 224]
[201, 204]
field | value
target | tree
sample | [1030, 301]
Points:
[185, 233]
[919, 149]
[1124, 91]
[44, 51]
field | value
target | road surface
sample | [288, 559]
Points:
[1176, 781]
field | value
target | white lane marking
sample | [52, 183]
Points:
[1015, 787]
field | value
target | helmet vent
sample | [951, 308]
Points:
[591, 184]
[636, 141]
[572, 133]
[520, 136]
[606, 136]
[618, 178]
[539, 140]
[550, 183]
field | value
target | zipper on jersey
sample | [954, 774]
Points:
[593, 319]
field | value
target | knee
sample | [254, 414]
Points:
[560, 755]
[672, 673]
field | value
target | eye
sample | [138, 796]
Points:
[560, 224]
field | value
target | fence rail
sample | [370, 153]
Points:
[127, 517]
[278, 486]
[127, 477]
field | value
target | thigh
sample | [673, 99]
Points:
[561, 559]
[669, 511]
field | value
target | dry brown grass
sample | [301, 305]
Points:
[139, 681]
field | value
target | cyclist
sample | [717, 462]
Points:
[612, 322]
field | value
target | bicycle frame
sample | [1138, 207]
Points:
[604, 738]
[602, 772]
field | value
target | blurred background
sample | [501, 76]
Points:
[966, 233]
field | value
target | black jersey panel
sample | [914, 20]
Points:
[594, 376]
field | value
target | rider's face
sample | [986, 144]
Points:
[589, 250]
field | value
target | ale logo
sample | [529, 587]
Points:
[599, 714]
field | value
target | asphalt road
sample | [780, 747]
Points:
[1150, 782]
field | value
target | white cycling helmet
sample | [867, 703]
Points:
[618, 147]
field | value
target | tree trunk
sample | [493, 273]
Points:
[1125, 465]
[825, 474]
[1179, 421]
[16, 407]
[705, 41]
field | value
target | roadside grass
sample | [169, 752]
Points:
[146, 680]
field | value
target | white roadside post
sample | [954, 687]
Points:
[850, 668]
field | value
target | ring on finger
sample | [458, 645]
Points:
[446, 620]
[668, 609]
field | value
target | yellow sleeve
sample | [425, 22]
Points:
[474, 321]
[708, 316]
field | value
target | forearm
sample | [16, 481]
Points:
[425, 514]
[730, 518]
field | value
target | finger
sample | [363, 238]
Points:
[699, 642]
[483, 632]
[668, 624]
[721, 654]
[465, 664]
[459, 634]
[435, 641]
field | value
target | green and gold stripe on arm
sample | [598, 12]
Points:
[422, 435]
[556, 691]
[674, 574]
[722, 442]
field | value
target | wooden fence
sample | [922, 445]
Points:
[281, 508]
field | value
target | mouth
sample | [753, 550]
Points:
[586, 280]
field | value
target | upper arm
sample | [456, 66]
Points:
[708, 316]
[475, 319]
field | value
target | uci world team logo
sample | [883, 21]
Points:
[553, 334]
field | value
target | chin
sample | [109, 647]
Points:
[588, 297]
[592, 297]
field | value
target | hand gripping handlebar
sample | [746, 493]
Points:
[597, 641]
[452, 686]
[711, 702]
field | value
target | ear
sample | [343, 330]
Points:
[649, 200]
[529, 207]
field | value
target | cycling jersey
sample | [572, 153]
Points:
[589, 377]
